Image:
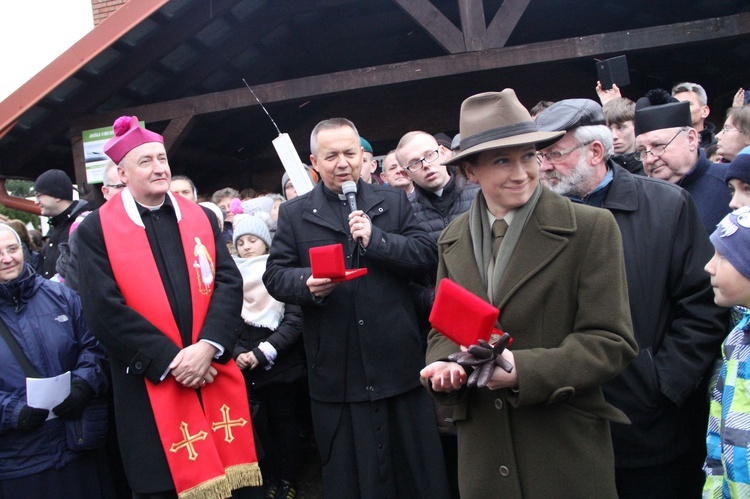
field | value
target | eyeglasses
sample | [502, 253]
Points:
[115, 186]
[655, 151]
[10, 250]
[557, 156]
[418, 164]
[727, 129]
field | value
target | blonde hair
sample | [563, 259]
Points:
[740, 118]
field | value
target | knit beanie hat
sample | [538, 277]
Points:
[365, 145]
[443, 139]
[54, 183]
[128, 136]
[253, 225]
[739, 168]
[285, 178]
[732, 239]
[253, 206]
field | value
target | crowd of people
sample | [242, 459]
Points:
[193, 346]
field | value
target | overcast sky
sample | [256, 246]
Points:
[34, 33]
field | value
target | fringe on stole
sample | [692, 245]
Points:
[244, 475]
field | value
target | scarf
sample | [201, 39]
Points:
[258, 307]
[481, 238]
[207, 437]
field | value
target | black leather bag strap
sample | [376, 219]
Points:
[28, 369]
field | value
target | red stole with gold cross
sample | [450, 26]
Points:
[209, 446]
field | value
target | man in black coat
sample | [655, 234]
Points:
[148, 359]
[669, 148]
[677, 325]
[54, 197]
[374, 423]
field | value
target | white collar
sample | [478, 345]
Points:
[131, 208]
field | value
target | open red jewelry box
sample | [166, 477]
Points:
[328, 261]
[461, 315]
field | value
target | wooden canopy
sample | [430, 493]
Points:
[390, 66]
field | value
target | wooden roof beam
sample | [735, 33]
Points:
[439, 27]
[567, 49]
[473, 24]
[504, 22]
[176, 131]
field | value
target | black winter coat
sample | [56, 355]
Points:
[434, 214]
[58, 234]
[362, 341]
[677, 325]
[289, 365]
[706, 184]
[630, 162]
[456, 199]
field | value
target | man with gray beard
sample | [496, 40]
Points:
[677, 325]
[577, 182]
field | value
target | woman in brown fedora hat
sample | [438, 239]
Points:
[557, 275]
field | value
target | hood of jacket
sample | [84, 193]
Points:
[20, 290]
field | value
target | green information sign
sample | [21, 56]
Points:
[93, 152]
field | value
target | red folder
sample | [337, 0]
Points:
[328, 261]
[461, 315]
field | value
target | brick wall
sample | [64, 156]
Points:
[102, 9]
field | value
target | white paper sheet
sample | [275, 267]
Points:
[46, 393]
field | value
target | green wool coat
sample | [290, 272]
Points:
[564, 300]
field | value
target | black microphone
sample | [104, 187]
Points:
[349, 189]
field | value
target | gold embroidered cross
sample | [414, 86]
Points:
[227, 424]
[188, 442]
